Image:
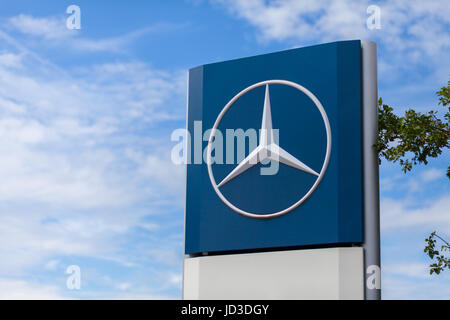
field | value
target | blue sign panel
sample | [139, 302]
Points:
[296, 185]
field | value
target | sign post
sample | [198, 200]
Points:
[371, 178]
[282, 195]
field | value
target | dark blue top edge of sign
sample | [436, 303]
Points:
[274, 52]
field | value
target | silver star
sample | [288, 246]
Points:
[267, 149]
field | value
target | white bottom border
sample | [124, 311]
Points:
[331, 273]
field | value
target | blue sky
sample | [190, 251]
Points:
[86, 117]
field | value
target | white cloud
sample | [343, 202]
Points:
[394, 287]
[404, 213]
[414, 33]
[115, 44]
[176, 279]
[134, 296]
[42, 117]
[124, 286]
[69, 187]
[19, 289]
[54, 31]
[10, 60]
[301, 20]
[166, 170]
[432, 175]
[321, 20]
[48, 28]
[410, 269]
[52, 265]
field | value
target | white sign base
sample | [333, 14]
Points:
[332, 273]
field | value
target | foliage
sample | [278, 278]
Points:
[440, 262]
[414, 137]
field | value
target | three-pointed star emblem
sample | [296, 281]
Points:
[267, 149]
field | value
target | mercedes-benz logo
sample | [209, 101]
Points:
[268, 149]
